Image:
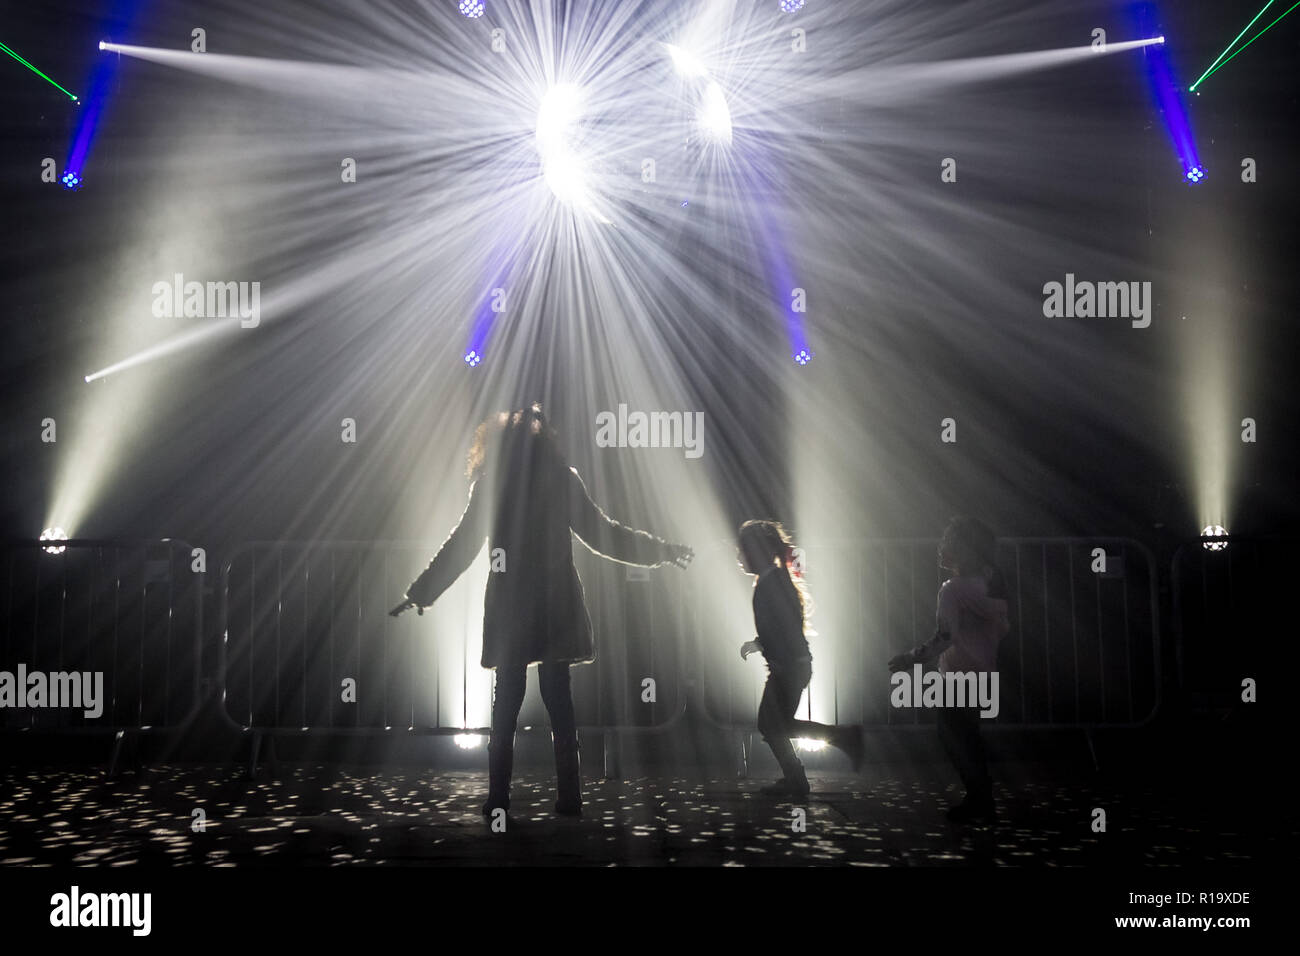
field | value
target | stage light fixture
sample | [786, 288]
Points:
[1215, 532]
[54, 534]
[1216, 537]
[1195, 174]
[803, 357]
[790, 6]
[473, 358]
[809, 745]
[471, 8]
[71, 180]
[468, 741]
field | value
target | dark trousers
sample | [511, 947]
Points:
[776, 717]
[507, 698]
[959, 732]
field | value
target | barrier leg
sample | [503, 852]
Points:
[1087, 735]
[611, 743]
[117, 752]
[256, 750]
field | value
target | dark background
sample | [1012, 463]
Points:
[1079, 432]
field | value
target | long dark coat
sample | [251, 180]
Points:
[533, 611]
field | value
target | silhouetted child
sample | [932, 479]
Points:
[781, 608]
[970, 621]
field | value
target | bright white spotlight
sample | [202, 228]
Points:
[1215, 531]
[54, 534]
[685, 62]
[566, 176]
[809, 745]
[468, 741]
[558, 114]
[715, 115]
[557, 123]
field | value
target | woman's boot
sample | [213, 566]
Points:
[568, 777]
[501, 759]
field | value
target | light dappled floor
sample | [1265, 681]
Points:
[330, 816]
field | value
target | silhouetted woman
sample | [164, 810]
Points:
[781, 608]
[524, 499]
[970, 621]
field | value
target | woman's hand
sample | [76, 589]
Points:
[406, 606]
[749, 647]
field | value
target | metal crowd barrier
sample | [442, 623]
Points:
[302, 619]
[130, 612]
[299, 621]
[308, 648]
[1083, 651]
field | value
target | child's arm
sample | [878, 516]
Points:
[945, 621]
[922, 652]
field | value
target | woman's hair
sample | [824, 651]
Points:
[973, 539]
[773, 541]
[507, 432]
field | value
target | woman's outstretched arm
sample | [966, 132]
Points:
[455, 555]
[607, 537]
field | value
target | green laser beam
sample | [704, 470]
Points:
[1252, 40]
[1230, 45]
[36, 71]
